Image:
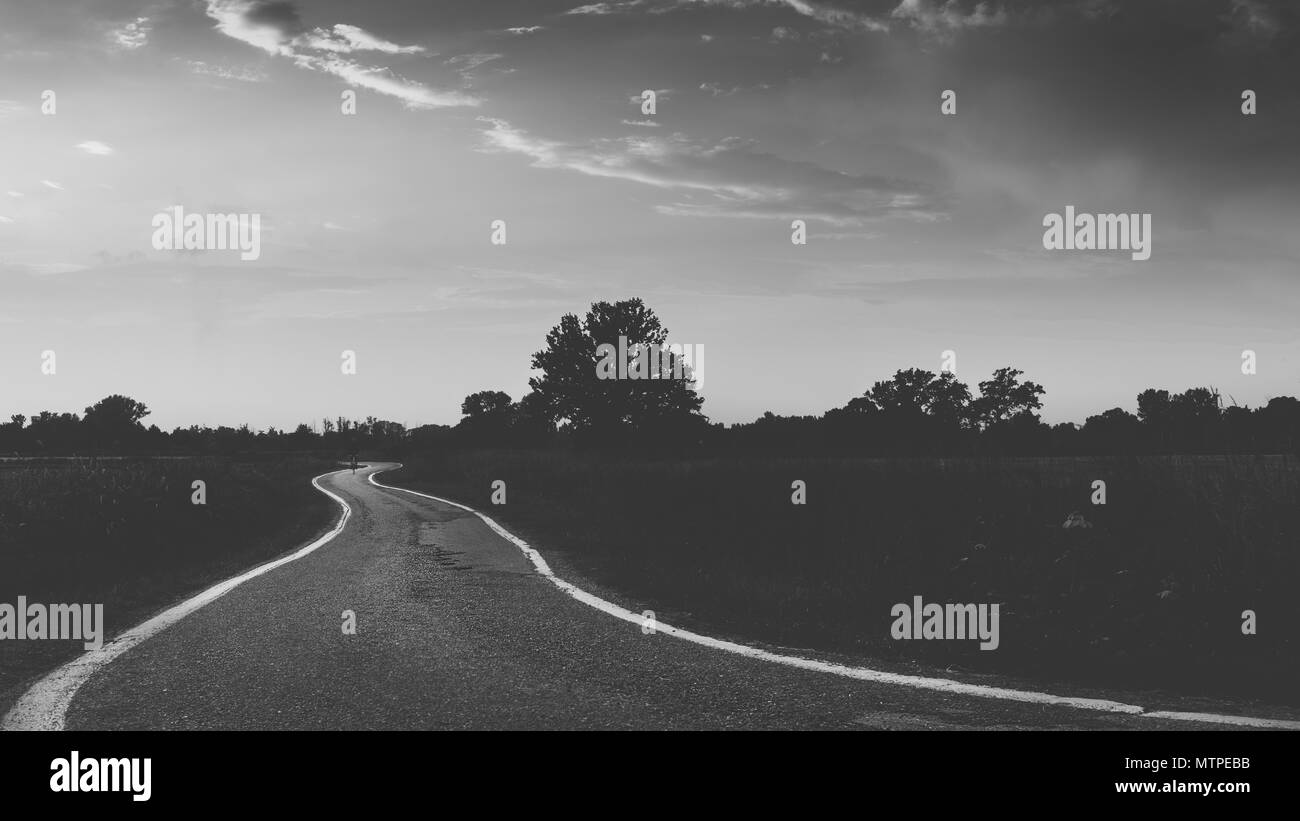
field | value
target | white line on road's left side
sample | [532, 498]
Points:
[45, 705]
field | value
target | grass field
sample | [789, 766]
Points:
[123, 532]
[1150, 595]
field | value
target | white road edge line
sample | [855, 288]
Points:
[860, 673]
[45, 705]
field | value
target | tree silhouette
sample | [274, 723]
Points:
[914, 392]
[1113, 429]
[1195, 415]
[573, 392]
[486, 417]
[1153, 407]
[116, 411]
[114, 422]
[486, 405]
[1005, 397]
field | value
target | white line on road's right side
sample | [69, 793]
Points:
[860, 673]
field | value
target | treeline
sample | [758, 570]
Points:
[919, 413]
[574, 402]
[114, 426]
[913, 413]
[1192, 422]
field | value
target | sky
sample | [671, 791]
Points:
[924, 230]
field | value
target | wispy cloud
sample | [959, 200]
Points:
[466, 63]
[51, 184]
[731, 177]
[821, 12]
[525, 29]
[661, 94]
[606, 8]
[383, 81]
[943, 18]
[1253, 18]
[346, 39]
[830, 15]
[242, 74]
[938, 17]
[275, 27]
[95, 147]
[131, 36]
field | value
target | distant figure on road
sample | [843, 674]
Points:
[354, 463]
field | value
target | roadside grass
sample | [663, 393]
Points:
[124, 533]
[1151, 595]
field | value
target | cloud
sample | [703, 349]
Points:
[1252, 17]
[5, 219]
[15, 194]
[8, 107]
[466, 63]
[95, 147]
[601, 9]
[275, 27]
[52, 184]
[660, 95]
[264, 24]
[109, 259]
[131, 36]
[382, 81]
[642, 123]
[825, 13]
[831, 15]
[933, 17]
[1253, 20]
[939, 18]
[346, 39]
[41, 269]
[243, 75]
[729, 178]
[525, 29]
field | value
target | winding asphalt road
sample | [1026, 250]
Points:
[458, 629]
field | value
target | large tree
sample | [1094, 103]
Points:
[1005, 397]
[486, 416]
[116, 411]
[486, 405]
[919, 392]
[1153, 407]
[573, 391]
[114, 421]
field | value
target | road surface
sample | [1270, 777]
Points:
[457, 629]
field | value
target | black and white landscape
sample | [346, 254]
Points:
[649, 364]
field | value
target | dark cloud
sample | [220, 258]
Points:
[281, 14]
